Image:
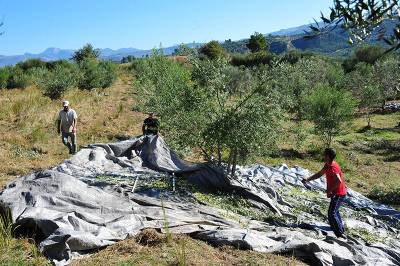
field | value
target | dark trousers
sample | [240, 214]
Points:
[335, 220]
[69, 140]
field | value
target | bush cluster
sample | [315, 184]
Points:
[56, 77]
[96, 74]
[252, 59]
[56, 82]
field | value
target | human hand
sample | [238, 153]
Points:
[329, 194]
[74, 130]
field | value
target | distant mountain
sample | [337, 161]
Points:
[334, 43]
[52, 54]
[291, 31]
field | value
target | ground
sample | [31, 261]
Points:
[369, 158]
[152, 248]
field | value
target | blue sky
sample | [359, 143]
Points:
[34, 25]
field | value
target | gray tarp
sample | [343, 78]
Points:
[89, 201]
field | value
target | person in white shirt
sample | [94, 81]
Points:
[66, 125]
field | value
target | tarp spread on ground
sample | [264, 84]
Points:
[108, 192]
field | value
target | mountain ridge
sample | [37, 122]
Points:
[54, 53]
[334, 43]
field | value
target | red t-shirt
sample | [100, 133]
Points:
[330, 171]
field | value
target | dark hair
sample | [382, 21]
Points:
[331, 153]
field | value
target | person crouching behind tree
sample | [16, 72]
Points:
[336, 189]
[66, 125]
[150, 125]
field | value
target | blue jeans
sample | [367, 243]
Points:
[334, 218]
[69, 140]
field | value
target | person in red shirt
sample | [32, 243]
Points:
[335, 189]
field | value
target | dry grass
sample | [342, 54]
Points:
[17, 251]
[28, 132]
[182, 250]
[30, 142]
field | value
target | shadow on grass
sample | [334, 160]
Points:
[389, 197]
[315, 154]
[388, 148]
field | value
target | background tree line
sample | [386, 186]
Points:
[85, 70]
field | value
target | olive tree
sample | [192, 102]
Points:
[85, 53]
[361, 18]
[370, 99]
[200, 109]
[213, 50]
[257, 43]
[330, 109]
[56, 82]
[387, 76]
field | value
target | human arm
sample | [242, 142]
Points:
[314, 176]
[74, 125]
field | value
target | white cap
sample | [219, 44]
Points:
[65, 103]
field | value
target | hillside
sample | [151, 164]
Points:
[53, 54]
[30, 143]
[334, 43]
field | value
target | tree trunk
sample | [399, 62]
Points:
[369, 120]
[234, 161]
[228, 169]
[219, 154]
[329, 142]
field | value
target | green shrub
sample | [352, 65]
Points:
[4, 75]
[257, 43]
[213, 50]
[56, 82]
[17, 78]
[87, 52]
[89, 74]
[293, 56]
[31, 63]
[108, 73]
[367, 54]
[37, 74]
[96, 74]
[253, 59]
[64, 63]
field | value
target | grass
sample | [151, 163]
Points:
[30, 142]
[233, 206]
[27, 125]
[388, 195]
[368, 158]
[368, 236]
[152, 248]
[14, 251]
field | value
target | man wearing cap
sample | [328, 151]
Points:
[150, 125]
[66, 125]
